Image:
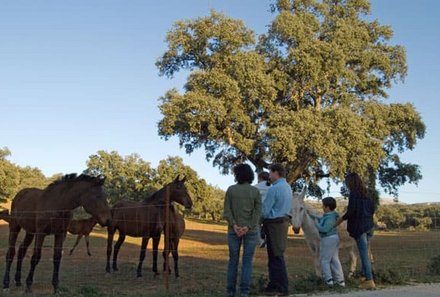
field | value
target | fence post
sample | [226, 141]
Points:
[167, 238]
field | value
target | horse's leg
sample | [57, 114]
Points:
[166, 255]
[370, 254]
[87, 245]
[156, 241]
[13, 234]
[57, 254]
[21, 253]
[78, 239]
[142, 255]
[39, 239]
[110, 235]
[317, 264]
[118, 244]
[353, 262]
[175, 251]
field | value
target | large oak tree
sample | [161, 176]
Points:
[310, 93]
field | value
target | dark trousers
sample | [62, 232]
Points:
[278, 280]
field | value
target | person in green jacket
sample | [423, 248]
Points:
[329, 245]
[242, 210]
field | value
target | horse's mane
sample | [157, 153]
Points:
[73, 177]
[153, 196]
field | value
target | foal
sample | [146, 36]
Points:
[82, 228]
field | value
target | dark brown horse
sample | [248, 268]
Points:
[81, 228]
[143, 219]
[177, 228]
[49, 211]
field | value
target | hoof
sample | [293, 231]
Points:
[89, 254]
[18, 284]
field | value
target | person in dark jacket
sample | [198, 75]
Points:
[360, 223]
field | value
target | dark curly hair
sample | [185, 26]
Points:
[244, 174]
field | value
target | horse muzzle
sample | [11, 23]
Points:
[296, 230]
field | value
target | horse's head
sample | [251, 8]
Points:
[179, 193]
[298, 210]
[94, 200]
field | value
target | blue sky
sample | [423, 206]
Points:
[79, 76]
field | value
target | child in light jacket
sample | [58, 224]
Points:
[329, 246]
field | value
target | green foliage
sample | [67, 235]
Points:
[390, 277]
[13, 178]
[309, 93]
[127, 177]
[132, 178]
[434, 265]
[419, 217]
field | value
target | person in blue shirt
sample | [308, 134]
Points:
[277, 207]
[329, 245]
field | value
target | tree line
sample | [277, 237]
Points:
[127, 178]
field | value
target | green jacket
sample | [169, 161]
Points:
[242, 206]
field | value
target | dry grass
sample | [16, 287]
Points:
[203, 262]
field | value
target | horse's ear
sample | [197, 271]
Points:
[183, 179]
[177, 179]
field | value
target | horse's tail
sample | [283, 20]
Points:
[4, 215]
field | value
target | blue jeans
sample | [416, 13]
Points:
[362, 244]
[249, 242]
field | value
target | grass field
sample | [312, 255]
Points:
[203, 264]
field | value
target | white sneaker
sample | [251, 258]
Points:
[330, 283]
[341, 284]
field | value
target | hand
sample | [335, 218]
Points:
[244, 231]
[338, 222]
[237, 230]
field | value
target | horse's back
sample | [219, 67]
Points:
[134, 218]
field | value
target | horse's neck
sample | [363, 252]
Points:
[311, 233]
[63, 197]
[158, 198]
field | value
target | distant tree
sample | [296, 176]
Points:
[31, 177]
[391, 216]
[309, 93]
[207, 199]
[127, 177]
[132, 178]
[9, 176]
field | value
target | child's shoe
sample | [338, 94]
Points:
[330, 283]
[341, 284]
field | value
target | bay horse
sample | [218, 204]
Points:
[81, 228]
[301, 219]
[144, 219]
[48, 212]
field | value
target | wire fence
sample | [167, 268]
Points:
[203, 256]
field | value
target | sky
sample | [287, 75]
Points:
[78, 76]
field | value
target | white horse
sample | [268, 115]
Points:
[301, 219]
